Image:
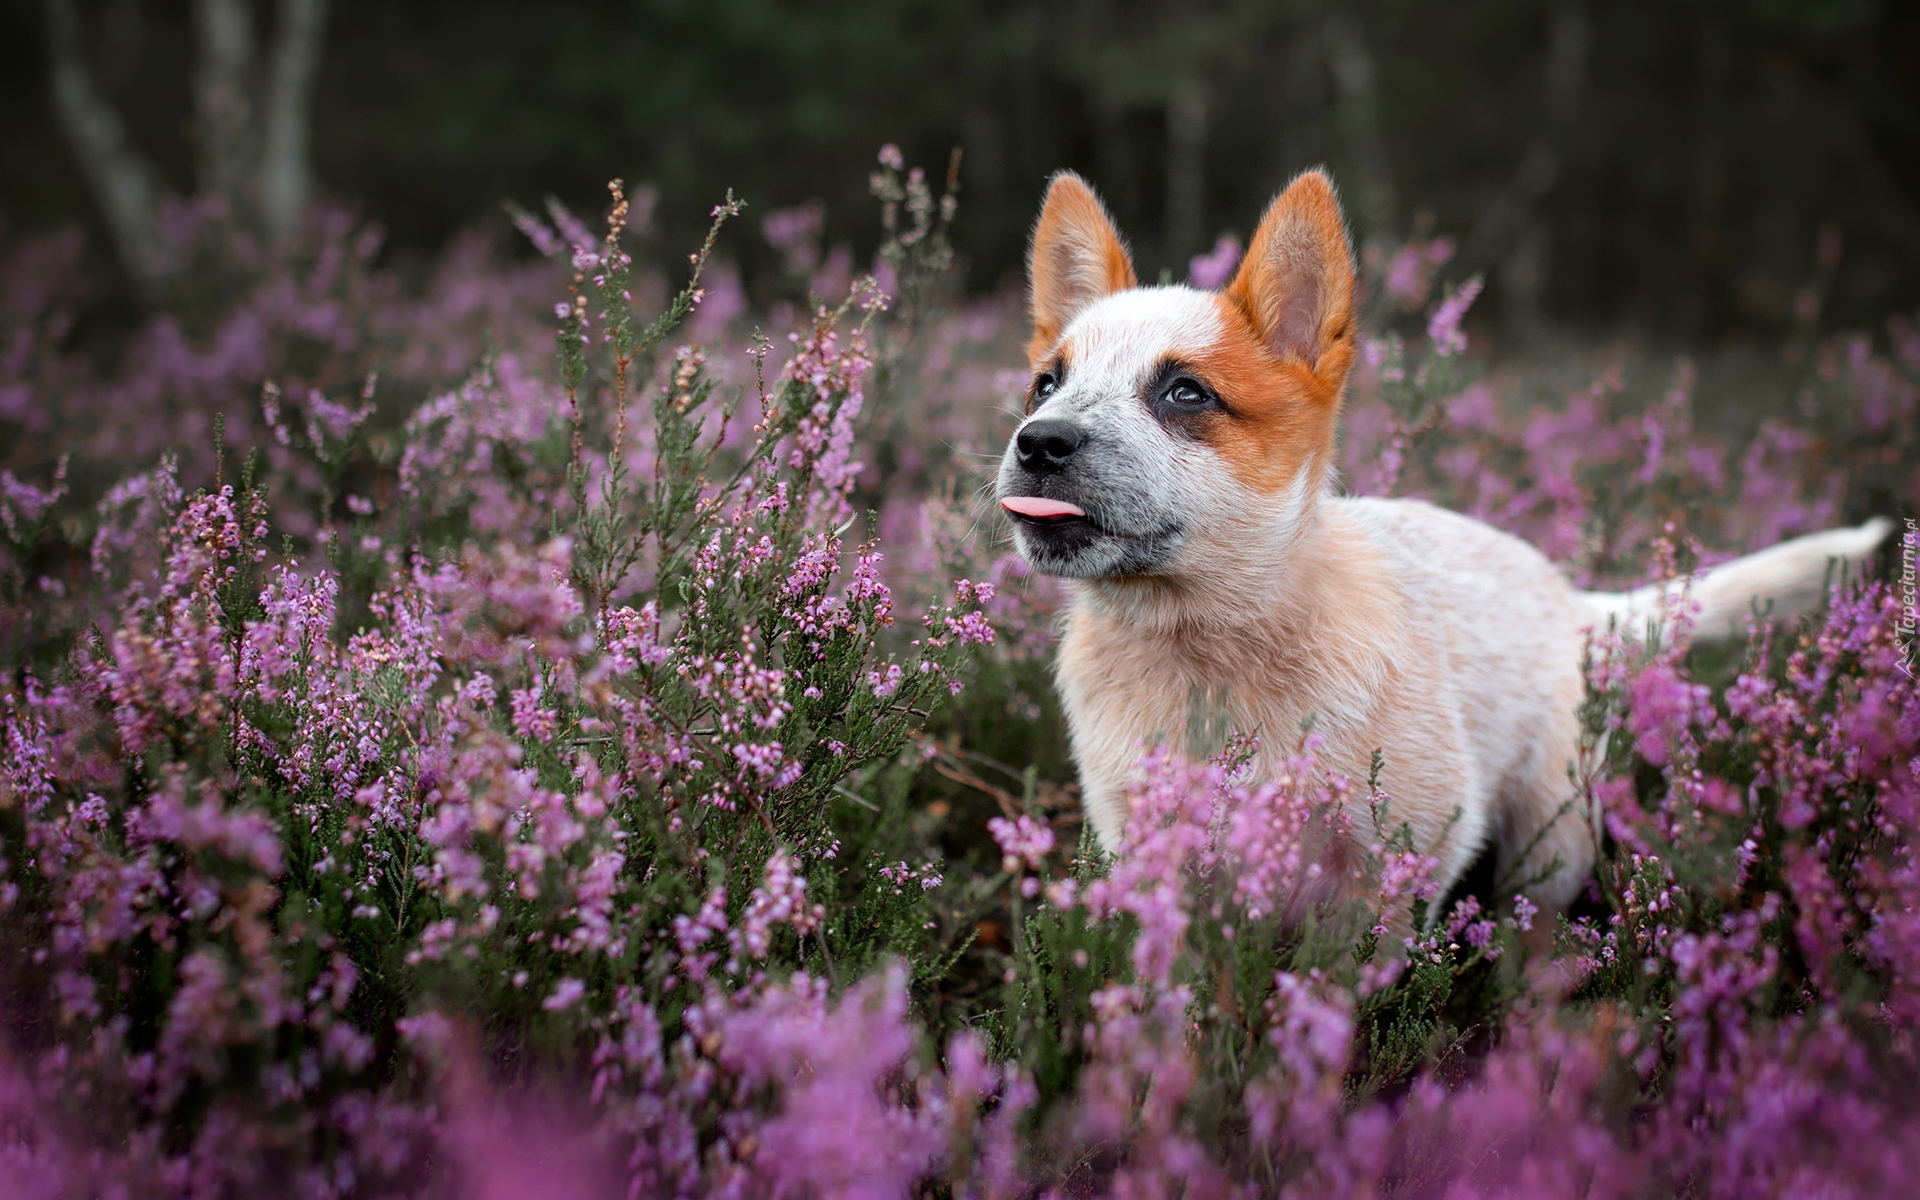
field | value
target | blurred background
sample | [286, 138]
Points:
[1713, 173]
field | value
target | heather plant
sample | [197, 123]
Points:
[631, 770]
[315, 317]
[563, 772]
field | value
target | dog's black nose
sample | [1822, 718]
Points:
[1045, 446]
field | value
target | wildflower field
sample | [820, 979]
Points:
[572, 725]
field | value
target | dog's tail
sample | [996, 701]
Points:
[1785, 580]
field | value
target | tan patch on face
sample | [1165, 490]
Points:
[1280, 415]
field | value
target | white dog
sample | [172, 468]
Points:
[1176, 463]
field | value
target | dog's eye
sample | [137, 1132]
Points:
[1185, 393]
[1044, 386]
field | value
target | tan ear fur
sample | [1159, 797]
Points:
[1296, 283]
[1076, 258]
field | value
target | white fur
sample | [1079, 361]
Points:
[1449, 646]
[1373, 631]
[1452, 648]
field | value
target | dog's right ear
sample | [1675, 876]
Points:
[1077, 257]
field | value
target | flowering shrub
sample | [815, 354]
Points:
[477, 778]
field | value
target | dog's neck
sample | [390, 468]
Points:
[1260, 582]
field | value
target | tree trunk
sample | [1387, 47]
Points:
[1524, 269]
[1359, 116]
[286, 176]
[250, 135]
[1510, 232]
[123, 183]
[223, 101]
[1707, 189]
[1186, 170]
[1113, 156]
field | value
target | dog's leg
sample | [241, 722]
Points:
[1549, 836]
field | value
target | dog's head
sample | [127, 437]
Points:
[1168, 428]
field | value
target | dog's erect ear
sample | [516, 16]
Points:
[1296, 283]
[1077, 257]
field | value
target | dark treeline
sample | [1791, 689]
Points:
[1674, 167]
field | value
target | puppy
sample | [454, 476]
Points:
[1176, 464]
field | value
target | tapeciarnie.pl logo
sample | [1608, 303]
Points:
[1905, 634]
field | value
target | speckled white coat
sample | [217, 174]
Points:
[1219, 583]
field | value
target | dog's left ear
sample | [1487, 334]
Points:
[1296, 284]
[1076, 258]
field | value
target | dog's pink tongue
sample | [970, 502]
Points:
[1040, 508]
